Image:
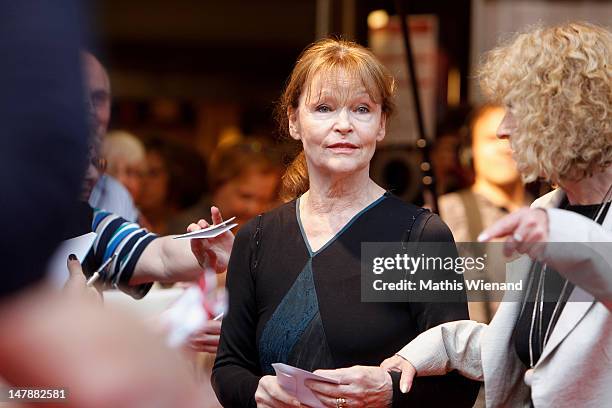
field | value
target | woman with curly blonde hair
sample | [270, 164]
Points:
[552, 348]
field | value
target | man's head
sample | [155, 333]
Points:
[98, 92]
[98, 105]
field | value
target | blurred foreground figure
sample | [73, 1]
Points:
[44, 134]
[49, 341]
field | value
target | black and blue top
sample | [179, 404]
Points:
[292, 305]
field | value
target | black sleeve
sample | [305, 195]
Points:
[43, 133]
[451, 389]
[236, 372]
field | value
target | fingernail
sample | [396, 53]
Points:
[483, 237]
[404, 388]
[72, 257]
[296, 403]
[517, 237]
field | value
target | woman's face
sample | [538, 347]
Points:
[338, 124]
[130, 174]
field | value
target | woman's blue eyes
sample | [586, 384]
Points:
[327, 109]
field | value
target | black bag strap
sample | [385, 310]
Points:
[255, 243]
[419, 220]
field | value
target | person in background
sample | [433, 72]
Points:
[175, 179]
[497, 190]
[244, 179]
[448, 172]
[125, 160]
[141, 257]
[104, 191]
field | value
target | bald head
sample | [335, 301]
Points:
[99, 91]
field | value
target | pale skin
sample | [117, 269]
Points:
[171, 260]
[526, 231]
[339, 126]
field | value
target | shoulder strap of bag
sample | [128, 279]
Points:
[419, 220]
[255, 243]
[472, 213]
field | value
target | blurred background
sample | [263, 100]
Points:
[190, 78]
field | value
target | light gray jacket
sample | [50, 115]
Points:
[575, 369]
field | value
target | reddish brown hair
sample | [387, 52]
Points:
[330, 57]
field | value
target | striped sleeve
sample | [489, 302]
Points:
[126, 239]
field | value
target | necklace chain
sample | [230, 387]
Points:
[538, 306]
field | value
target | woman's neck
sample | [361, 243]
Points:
[590, 190]
[340, 193]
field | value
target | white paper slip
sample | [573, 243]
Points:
[291, 379]
[210, 232]
[57, 268]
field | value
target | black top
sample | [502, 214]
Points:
[290, 305]
[553, 294]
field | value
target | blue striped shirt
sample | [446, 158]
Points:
[126, 239]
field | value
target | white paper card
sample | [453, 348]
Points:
[57, 268]
[291, 379]
[210, 232]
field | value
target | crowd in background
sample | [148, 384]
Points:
[139, 190]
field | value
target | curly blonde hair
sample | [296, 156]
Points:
[558, 82]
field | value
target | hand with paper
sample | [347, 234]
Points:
[358, 386]
[292, 381]
[214, 251]
[270, 394]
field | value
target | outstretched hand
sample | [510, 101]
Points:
[212, 253]
[526, 231]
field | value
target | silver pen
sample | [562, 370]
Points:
[96, 274]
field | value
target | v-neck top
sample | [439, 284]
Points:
[344, 228]
[291, 305]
